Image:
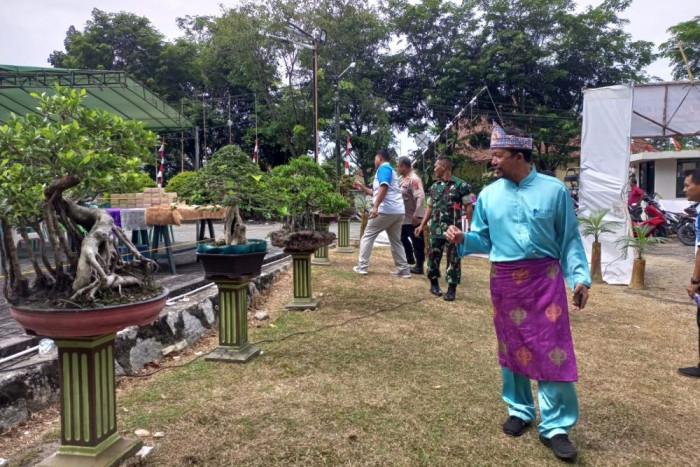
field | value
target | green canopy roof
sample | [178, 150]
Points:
[114, 91]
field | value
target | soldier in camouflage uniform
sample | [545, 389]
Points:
[448, 195]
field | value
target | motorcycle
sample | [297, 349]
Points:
[655, 218]
[686, 232]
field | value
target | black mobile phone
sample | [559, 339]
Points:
[578, 297]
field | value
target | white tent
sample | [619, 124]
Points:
[612, 116]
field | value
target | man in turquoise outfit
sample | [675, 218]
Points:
[526, 223]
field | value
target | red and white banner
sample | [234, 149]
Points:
[159, 176]
[347, 156]
[255, 152]
[676, 144]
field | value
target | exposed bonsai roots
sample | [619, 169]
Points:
[99, 262]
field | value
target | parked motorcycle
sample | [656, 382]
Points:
[687, 233]
[655, 217]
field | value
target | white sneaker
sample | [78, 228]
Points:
[359, 271]
[402, 274]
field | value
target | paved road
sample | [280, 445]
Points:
[13, 338]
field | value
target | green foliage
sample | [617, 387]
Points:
[688, 34]
[112, 41]
[64, 150]
[184, 184]
[640, 241]
[230, 178]
[303, 189]
[596, 225]
[87, 150]
[135, 182]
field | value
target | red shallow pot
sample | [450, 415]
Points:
[89, 321]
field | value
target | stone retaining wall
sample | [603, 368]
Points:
[34, 388]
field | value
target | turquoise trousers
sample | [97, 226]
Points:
[557, 400]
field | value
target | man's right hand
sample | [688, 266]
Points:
[454, 234]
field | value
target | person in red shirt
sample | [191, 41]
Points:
[636, 193]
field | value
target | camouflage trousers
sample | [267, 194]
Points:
[453, 274]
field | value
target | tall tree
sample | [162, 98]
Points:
[687, 34]
[113, 41]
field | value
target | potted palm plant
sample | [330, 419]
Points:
[640, 242]
[304, 191]
[595, 225]
[83, 292]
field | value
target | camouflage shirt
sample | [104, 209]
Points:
[447, 199]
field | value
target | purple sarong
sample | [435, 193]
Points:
[531, 316]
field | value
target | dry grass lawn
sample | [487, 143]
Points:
[418, 383]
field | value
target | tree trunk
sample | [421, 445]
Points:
[98, 255]
[596, 272]
[637, 281]
[234, 228]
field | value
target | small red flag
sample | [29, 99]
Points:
[255, 151]
[676, 143]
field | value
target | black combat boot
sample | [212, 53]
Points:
[451, 293]
[417, 269]
[435, 287]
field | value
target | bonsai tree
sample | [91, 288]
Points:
[639, 242]
[230, 178]
[303, 191]
[49, 161]
[595, 225]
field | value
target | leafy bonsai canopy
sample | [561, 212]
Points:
[230, 178]
[304, 192]
[50, 161]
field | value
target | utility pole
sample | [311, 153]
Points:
[182, 141]
[310, 42]
[336, 99]
[196, 148]
[315, 42]
[229, 122]
[204, 121]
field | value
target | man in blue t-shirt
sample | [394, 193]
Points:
[387, 215]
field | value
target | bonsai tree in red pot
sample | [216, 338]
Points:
[82, 292]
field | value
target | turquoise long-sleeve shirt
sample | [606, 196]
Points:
[532, 219]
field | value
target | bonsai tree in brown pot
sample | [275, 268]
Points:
[82, 292]
[303, 191]
[595, 225]
[640, 242]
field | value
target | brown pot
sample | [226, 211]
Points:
[88, 322]
[303, 240]
[596, 272]
[638, 267]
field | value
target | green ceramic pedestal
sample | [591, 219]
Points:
[89, 434]
[233, 322]
[303, 298]
[344, 236]
[321, 254]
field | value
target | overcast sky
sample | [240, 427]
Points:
[31, 29]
